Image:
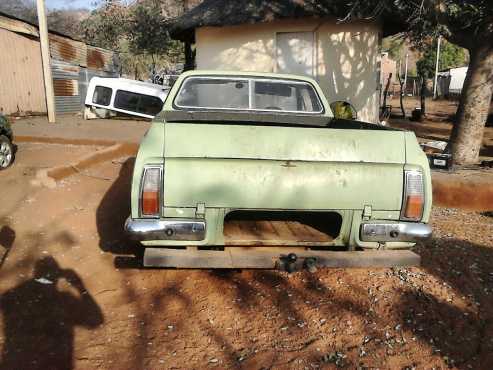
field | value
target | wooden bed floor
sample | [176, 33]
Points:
[251, 232]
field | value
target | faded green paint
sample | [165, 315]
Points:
[150, 152]
[282, 143]
[246, 166]
[243, 183]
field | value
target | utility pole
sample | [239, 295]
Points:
[436, 68]
[45, 56]
[405, 73]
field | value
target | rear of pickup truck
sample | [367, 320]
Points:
[219, 184]
[288, 182]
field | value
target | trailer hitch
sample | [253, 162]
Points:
[292, 263]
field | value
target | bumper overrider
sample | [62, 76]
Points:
[175, 229]
[394, 232]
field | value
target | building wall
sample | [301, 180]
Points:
[21, 74]
[347, 56]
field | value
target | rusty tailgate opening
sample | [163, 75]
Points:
[247, 227]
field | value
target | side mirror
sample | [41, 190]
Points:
[343, 110]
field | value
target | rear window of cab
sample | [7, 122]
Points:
[248, 94]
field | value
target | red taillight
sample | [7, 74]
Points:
[414, 199]
[151, 186]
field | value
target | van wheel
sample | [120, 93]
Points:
[6, 152]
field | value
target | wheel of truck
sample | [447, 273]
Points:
[6, 152]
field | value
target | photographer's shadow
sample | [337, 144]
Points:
[39, 318]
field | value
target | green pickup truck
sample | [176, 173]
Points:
[252, 170]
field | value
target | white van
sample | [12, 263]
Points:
[132, 97]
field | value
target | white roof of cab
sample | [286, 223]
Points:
[146, 88]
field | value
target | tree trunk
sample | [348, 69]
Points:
[189, 57]
[422, 96]
[385, 93]
[401, 95]
[467, 134]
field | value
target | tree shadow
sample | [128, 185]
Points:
[40, 315]
[460, 327]
[7, 238]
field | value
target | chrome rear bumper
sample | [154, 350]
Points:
[394, 232]
[175, 229]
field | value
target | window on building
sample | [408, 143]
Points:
[102, 95]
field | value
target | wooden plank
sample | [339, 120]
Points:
[279, 242]
[283, 231]
[272, 233]
[267, 248]
[18, 26]
[368, 259]
[161, 257]
[262, 259]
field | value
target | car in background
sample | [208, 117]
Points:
[6, 146]
[136, 98]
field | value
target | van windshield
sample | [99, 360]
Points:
[248, 94]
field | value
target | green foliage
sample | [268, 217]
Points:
[66, 21]
[466, 23]
[106, 26]
[146, 19]
[138, 32]
[451, 56]
[394, 46]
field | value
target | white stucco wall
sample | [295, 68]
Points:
[346, 56]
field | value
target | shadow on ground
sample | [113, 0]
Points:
[459, 327]
[439, 315]
[111, 215]
[39, 318]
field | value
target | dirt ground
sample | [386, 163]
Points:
[73, 128]
[438, 122]
[72, 294]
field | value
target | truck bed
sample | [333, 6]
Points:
[282, 232]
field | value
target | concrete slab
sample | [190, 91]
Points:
[74, 129]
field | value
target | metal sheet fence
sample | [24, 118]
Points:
[70, 84]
